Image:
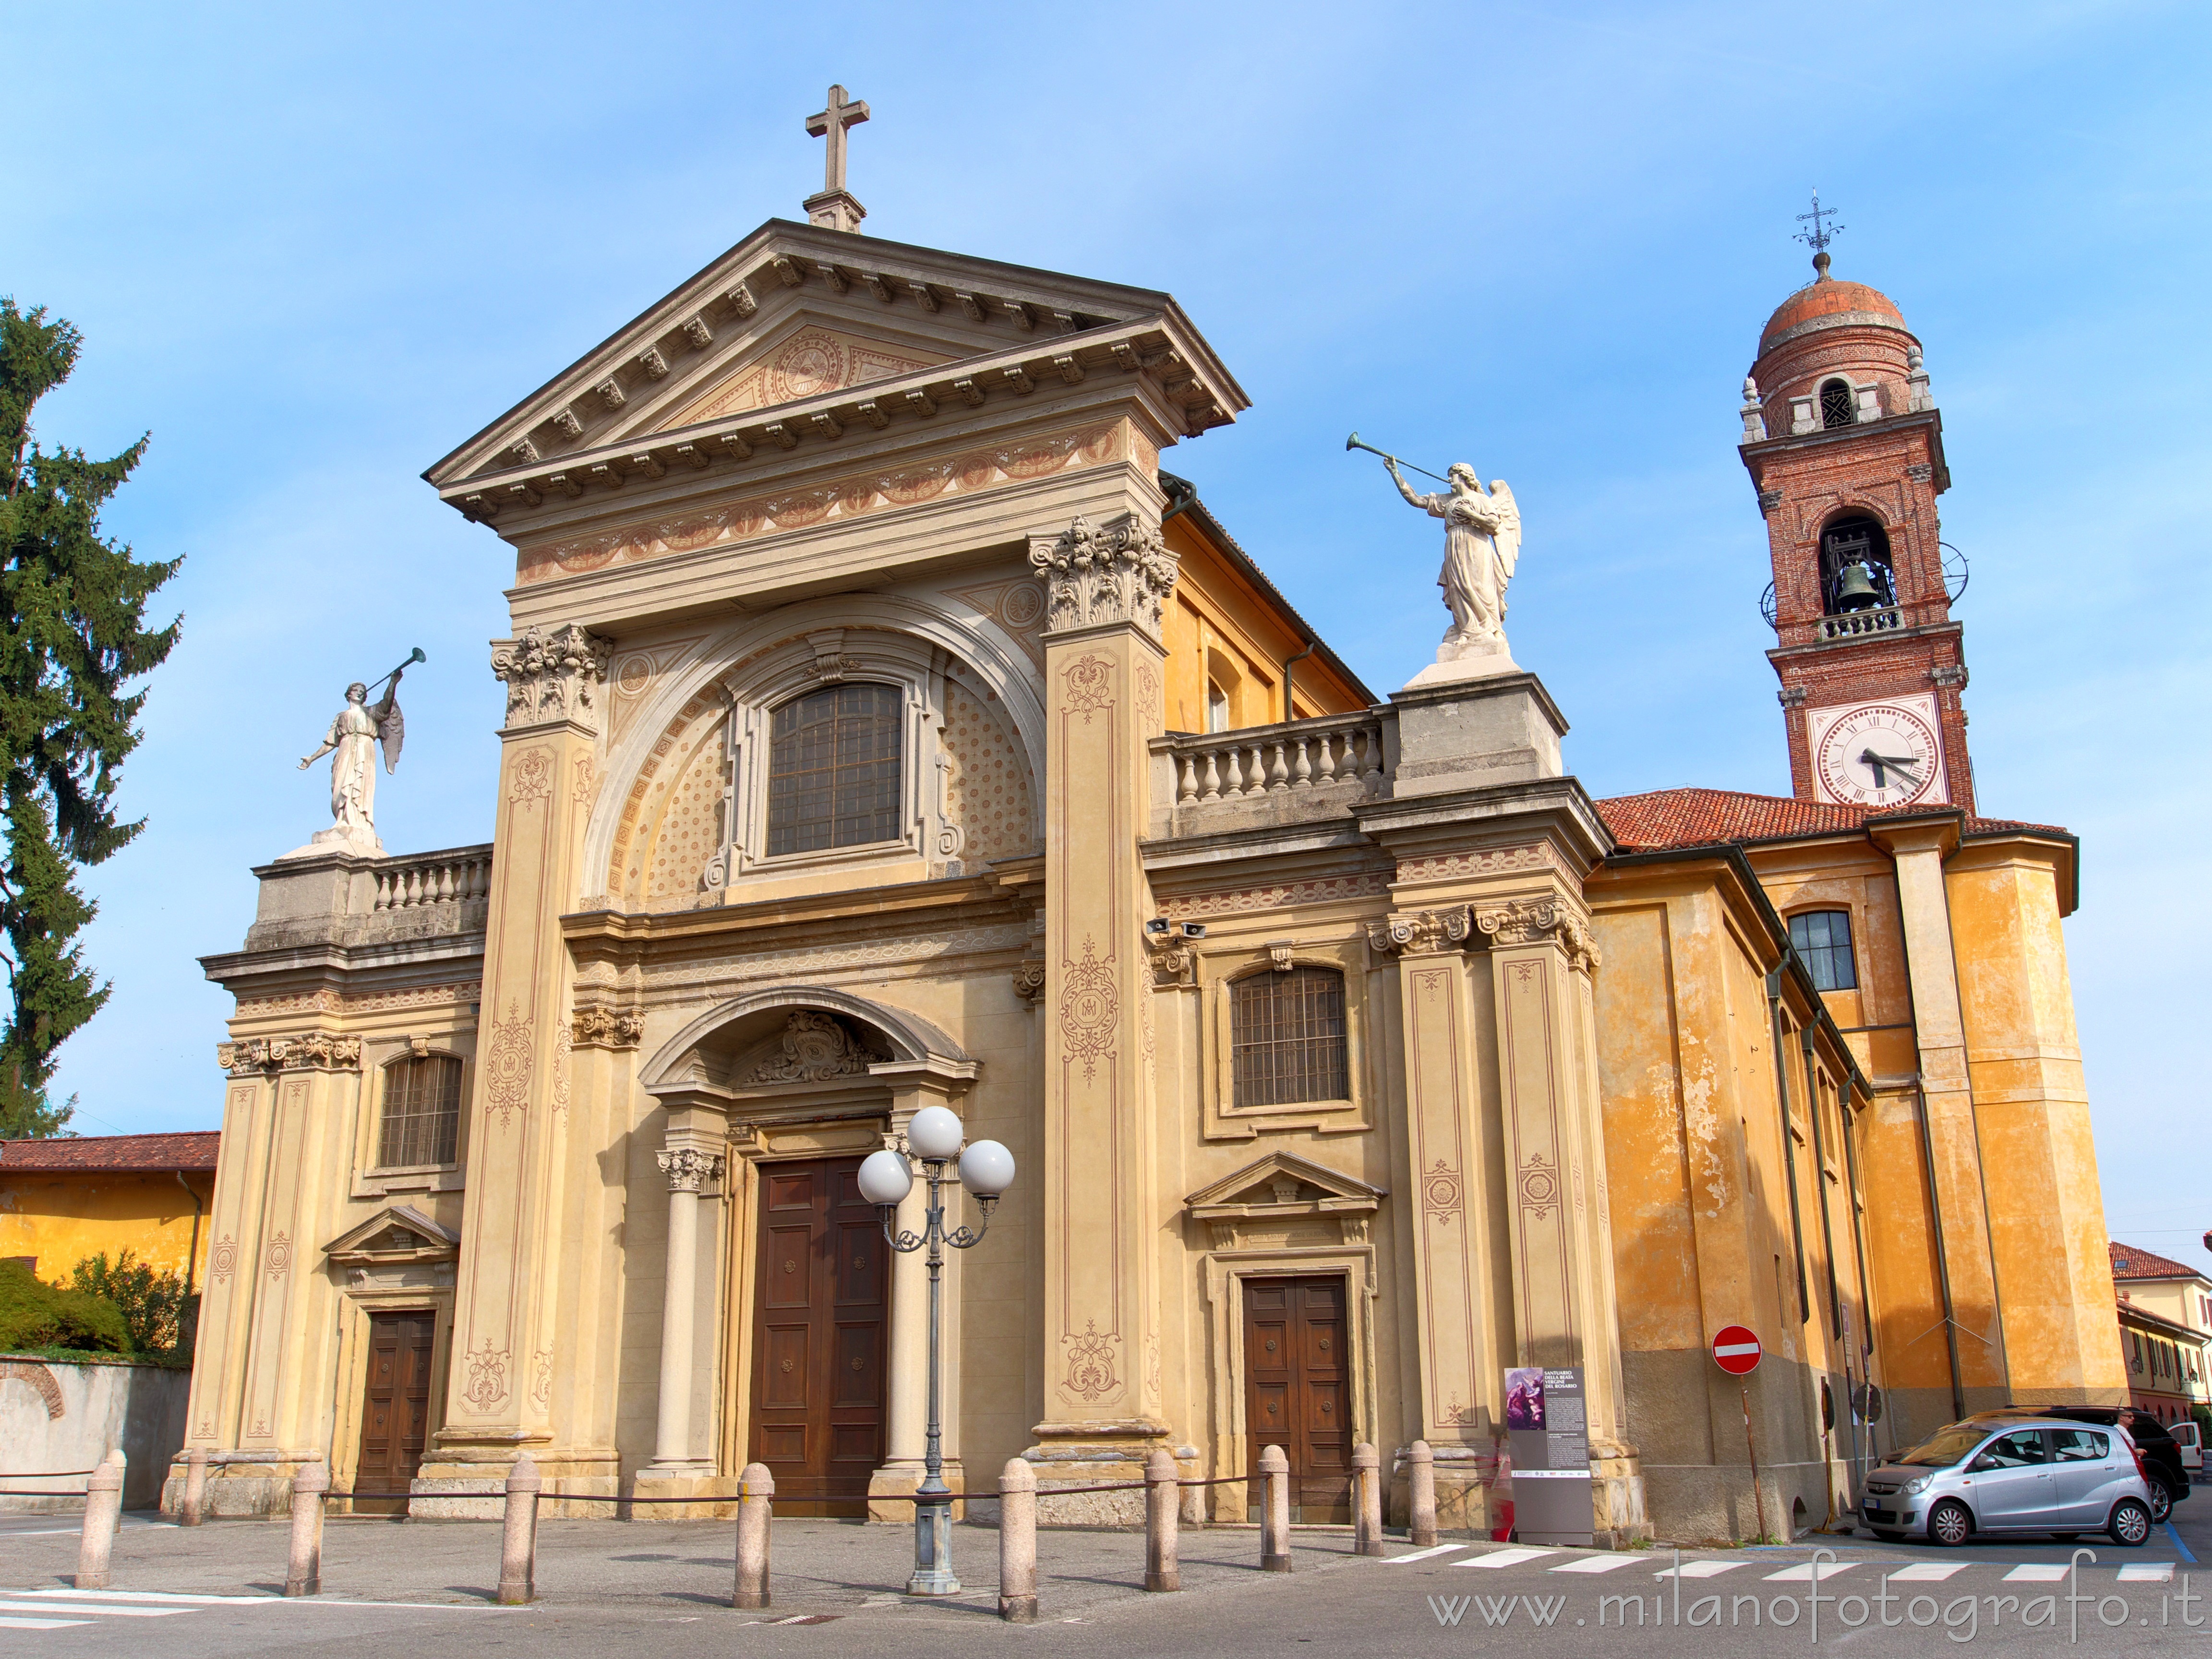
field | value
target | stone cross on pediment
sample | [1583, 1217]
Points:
[835, 207]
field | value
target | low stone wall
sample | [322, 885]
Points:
[62, 1414]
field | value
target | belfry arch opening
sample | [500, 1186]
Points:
[1836, 407]
[1855, 574]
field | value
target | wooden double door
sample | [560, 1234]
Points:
[820, 1306]
[395, 1417]
[1297, 1391]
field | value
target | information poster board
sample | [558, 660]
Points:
[1548, 1432]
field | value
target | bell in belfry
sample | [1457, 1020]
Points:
[1855, 587]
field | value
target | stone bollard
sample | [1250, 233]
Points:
[1275, 1510]
[1421, 1484]
[103, 1513]
[755, 1493]
[303, 1574]
[195, 1505]
[1018, 1572]
[518, 1540]
[1163, 1507]
[1366, 1500]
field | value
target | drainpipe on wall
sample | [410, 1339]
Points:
[1289, 663]
[192, 1256]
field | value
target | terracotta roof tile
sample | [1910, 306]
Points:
[191, 1150]
[2128, 1263]
[1664, 819]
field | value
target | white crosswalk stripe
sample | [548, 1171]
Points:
[2036, 1572]
[101, 1609]
[147, 1596]
[1702, 1569]
[1823, 1571]
[1595, 1564]
[1512, 1558]
[1924, 1572]
[1423, 1555]
[40, 1623]
[2148, 1572]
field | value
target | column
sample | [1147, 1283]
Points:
[508, 1327]
[688, 1169]
[1103, 660]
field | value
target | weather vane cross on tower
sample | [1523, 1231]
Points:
[835, 206]
[1820, 236]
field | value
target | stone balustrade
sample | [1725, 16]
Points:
[1857, 624]
[1295, 769]
[453, 877]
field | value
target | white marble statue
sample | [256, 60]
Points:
[1482, 544]
[355, 736]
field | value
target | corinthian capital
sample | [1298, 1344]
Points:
[1538, 921]
[1094, 576]
[551, 675]
[688, 1169]
[1423, 933]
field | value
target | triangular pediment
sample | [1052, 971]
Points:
[804, 360]
[1283, 1183]
[794, 315]
[399, 1234]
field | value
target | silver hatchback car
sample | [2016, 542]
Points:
[2011, 1474]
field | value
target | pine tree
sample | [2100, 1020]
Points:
[72, 607]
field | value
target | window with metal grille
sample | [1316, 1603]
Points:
[1837, 408]
[422, 1112]
[833, 769]
[1823, 939]
[1286, 1038]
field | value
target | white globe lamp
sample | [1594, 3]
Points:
[986, 1169]
[885, 1177]
[934, 1134]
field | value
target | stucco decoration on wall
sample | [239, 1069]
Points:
[987, 789]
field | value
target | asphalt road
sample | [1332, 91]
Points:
[661, 1589]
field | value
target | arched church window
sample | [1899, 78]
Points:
[1836, 405]
[422, 1123]
[1286, 1038]
[1855, 567]
[1822, 939]
[833, 769]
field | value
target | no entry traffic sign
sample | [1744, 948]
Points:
[1736, 1350]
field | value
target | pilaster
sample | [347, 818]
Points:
[506, 1323]
[1103, 678]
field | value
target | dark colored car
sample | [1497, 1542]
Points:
[2169, 1480]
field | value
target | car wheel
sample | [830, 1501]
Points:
[2130, 1523]
[1950, 1524]
[2161, 1502]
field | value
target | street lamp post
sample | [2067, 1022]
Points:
[986, 1169]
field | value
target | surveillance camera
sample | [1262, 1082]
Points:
[1156, 925]
[1193, 930]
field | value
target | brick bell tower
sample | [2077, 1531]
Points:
[1845, 446]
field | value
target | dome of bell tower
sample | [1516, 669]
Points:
[1843, 346]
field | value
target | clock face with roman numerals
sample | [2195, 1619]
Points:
[1878, 754]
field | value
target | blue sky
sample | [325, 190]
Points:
[311, 249]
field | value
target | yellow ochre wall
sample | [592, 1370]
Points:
[62, 1219]
[1217, 623]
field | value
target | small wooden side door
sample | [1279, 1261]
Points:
[818, 1394]
[395, 1418]
[1297, 1391]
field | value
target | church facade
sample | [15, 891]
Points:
[883, 726]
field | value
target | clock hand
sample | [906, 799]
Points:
[1907, 764]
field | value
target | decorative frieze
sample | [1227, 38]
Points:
[551, 675]
[309, 1051]
[606, 1028]
[1098, 577]
[1423, 933]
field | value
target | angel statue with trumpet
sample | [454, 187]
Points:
[1482, 544]
[355, 736]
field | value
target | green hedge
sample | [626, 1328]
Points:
[39, 1316]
